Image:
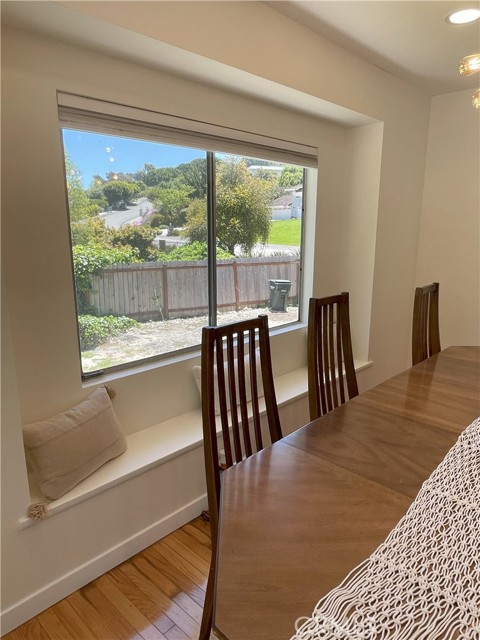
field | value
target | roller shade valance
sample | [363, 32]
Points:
[77, 112]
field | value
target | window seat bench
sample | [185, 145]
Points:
[156, 445]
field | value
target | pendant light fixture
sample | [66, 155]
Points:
[476, 99]
[469, 64]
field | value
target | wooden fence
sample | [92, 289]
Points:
[165, 290]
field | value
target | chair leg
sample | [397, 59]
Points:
[207, 617]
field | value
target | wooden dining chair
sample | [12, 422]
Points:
[331, 370]
[425, 329]
[236, 369]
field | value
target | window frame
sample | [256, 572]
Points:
[78, 113]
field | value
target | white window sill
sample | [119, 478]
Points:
[156, 445]
[166, 360]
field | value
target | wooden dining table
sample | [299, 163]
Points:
[297, 517]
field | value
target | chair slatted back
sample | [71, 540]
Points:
[425, 329]
[331, 371]
[236, 360]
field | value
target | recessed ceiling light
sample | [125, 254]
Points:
[464, 16]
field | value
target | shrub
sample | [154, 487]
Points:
[90, 259]
[100, 202]
[156, 221]
[138, 237]
[196, 224]
[191, 252]
[94, 330]
[89, 231]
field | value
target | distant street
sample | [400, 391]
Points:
[117, 219]
[258, 250]
[136, 213]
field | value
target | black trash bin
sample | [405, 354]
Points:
[279, 290]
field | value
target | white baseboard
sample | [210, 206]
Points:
[40, 600]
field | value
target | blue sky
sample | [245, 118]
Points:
[98, 153]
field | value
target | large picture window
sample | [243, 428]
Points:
[167, 239]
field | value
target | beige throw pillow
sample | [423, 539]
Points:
[67, 448]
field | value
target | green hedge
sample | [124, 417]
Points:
[89, 260]
[191, 252]
[95, 330]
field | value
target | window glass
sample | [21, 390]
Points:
[258, 223]
[139, 233]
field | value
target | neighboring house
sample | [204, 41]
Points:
[289, 205]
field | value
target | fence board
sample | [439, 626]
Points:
[155, 290]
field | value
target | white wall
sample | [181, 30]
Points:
[34, 69]
[41, 563]
[13, 465]
[46, 561]
[449, 246]
[359, 229]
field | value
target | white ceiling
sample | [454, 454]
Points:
[407, 38]
[59, 21]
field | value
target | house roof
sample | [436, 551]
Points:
[283, 201]
[286, 199]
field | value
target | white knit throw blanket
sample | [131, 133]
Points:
[423, 582]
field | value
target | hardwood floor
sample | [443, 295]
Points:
[157, 594]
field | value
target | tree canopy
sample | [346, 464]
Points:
[291, 176]
[196, 221]
[171, 205]
[194, 174]
[242, 208]
[136, 237]
[178, 194]
[116, 191]
[153, 176]
[243, 214]
[80, 206]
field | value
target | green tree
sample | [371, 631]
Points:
[138, 238]
[116, 191]
[90, 231]
[135, 188]
[155, 221]
[171, 205]
[95, 193]
[80, 207]
[89, 260]
[242, 204]
[243, 214]
[194, 174]
[291, 176]
[119, 175]
[273, 178]
[256, 162]
[152, 176]
[265, 174]
[196, 222]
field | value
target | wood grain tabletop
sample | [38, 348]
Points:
[297, 517]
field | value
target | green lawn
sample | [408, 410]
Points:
[285, 232]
